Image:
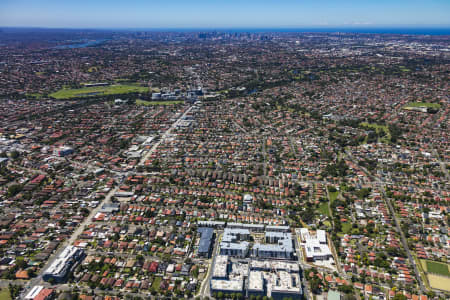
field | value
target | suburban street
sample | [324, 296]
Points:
[164, 136]
[205, 287]
[382, 186]
[87, 221]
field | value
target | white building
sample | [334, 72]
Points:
[34, 292]
[315, 245]
[280, 246]
[63, 264]
[220, 270]
[234, 242]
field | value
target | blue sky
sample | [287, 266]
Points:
[223, 13]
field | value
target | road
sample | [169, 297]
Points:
[128, 255]
[304, 267]
[87, 221]
[404, 243]
[240, 127]
[165, 135]
[382, 186]
[122, 293]
[204, 288]
[264, 152]
[329, 206]
[442, 164]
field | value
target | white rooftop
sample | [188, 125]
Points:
[227, 285]
[256, 282]
[220, 266]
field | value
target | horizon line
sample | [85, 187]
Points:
[343, 26]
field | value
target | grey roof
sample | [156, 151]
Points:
[205, 239]
[242, 246]
[284, 243]
[230, 234]
[333, 295]
[110, 207]
[277, 228]
[242, 225]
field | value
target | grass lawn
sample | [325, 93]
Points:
[437, 268]
[156, 283]
[346, 227]
[404, 69]
[333, 196]
[436, 279]
[4, 294]
[93, 69]
[148, 103]
[421, 268]
[378, 128]
[423, 263]
[323, 209]
[98, 90]
[422, 104]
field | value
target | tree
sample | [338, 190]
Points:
[399, 297]
[195, 272]
[14, 189]
[347, 289]
[14, 154]
[14, 290]
[20, 262]
[331, 189]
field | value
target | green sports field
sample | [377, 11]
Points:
[323, 209]
[4, 294]
[437, 268]
[98, 90]
[437, 274]
[422, 104]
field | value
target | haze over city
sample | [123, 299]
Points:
[223, 14]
